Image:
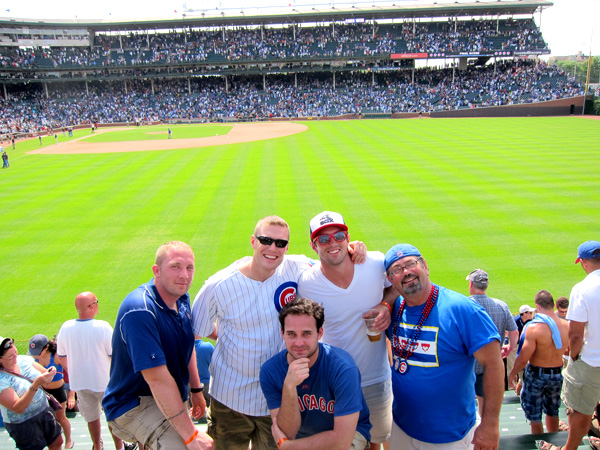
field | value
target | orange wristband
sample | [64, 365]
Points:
[281, 441]
[388, 305]
[189, 441]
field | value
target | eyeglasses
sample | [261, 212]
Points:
[339, 236]
[399, 270]
[265, 240]
[92, 304]
[8, 344]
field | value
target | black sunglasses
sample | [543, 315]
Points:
[339, 236]
[265, 240]
[8, 344]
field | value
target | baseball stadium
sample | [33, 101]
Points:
[439, 125]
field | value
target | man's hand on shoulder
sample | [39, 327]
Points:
[358, 252]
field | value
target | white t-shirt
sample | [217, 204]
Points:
[584, 306]
[247, 315]
[87, 344]
[344, 326]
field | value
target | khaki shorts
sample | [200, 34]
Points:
[90, 404]
[359, 442]
[379, 399]
[233, 430]
[147, 424]
[581, 387]
[402, 441]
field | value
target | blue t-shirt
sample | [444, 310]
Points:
[147, 334]
[204, 351]
[59, 369]
[20, 386]
[434, 401]
[331, 390]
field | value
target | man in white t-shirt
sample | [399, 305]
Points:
[346, 291]
[244, 301]
[85, 349]
[581, 385]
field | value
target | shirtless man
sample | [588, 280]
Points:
[543, 342]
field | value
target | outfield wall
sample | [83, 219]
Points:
[562, 107]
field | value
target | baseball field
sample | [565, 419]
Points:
[513, 196]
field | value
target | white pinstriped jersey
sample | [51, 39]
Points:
[247, 315]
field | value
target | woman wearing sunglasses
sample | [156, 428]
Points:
[27, 416]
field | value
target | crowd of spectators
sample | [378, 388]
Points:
[27, 108]
[293, 42]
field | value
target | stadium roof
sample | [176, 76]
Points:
[318, 13]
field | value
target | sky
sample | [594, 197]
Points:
[567, 26]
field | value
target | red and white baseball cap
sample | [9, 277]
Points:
[324, 220]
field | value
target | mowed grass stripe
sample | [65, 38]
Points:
[356, 184]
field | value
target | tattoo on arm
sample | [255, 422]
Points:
[176, 415]
[162, 407]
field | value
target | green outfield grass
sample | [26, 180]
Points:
[513, 196]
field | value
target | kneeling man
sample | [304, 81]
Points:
[313, 389]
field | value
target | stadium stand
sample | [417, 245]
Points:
[357, 62]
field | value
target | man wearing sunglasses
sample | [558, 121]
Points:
[244, 301]
[346, 292]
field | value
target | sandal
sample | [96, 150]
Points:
[595, 442]
[563, 426]
[543, 445]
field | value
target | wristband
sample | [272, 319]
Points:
[388, 306]
[196, 390]
[31, 388]
[281, 441]
[189, 441]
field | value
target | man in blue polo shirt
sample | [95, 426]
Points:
[153, 361]
[313, 389]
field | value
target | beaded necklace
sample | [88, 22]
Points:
[403, 352]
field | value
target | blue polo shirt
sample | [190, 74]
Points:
[147, 334]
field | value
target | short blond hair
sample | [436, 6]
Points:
[271, 220]
[162, 251]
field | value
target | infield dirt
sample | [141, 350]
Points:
[239, 133]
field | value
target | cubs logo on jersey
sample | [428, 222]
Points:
[284, 294]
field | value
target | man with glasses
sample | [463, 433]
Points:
[346, 292]
[84, 348]
[436, 335]
[244, 300]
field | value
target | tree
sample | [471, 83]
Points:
[579, 69]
